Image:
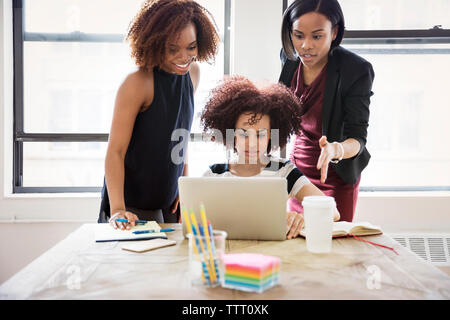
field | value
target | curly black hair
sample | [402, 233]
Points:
[157, 20]
[237, 95]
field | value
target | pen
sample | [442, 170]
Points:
[153, 231]
[137, 221]
[213, 246]
[194, 241]
[205, 233]
[203, 252]
[210, 229]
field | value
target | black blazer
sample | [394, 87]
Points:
[345, 112]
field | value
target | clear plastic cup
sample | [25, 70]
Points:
[318, 214]
[204, 265]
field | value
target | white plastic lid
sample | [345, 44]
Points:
[318, 202]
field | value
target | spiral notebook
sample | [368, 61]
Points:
[105, 232]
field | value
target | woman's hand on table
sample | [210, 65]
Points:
[294, 224]
[123, 214]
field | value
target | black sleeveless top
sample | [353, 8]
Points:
[153, 162]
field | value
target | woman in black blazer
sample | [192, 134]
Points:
[334, 86]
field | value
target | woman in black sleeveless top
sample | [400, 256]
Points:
[155, 106]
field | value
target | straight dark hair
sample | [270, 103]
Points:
[329, 8]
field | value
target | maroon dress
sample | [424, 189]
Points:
[306, 150]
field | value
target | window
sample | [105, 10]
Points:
[408, 44]
[69, 60]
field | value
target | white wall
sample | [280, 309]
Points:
[23, 237]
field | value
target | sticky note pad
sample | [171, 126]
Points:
[250, 271]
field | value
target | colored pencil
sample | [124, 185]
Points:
[208, 242]
[196, 231]
[194, 245]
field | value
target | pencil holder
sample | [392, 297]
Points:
[204, 254]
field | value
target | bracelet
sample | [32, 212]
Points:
[342, 152]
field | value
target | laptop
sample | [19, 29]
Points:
[246, 208]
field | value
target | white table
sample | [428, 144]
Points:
[80, 268]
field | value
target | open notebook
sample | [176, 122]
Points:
[344, 228]
[105, 232]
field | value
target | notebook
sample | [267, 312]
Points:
[144, 246]
[344, 228]
[105, 232]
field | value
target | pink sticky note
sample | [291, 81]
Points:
[250, 260]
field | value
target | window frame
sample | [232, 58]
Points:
[19, 134]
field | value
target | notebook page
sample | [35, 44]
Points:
[104, 232]
[342, 227]
[354, 227]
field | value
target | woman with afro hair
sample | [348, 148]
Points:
[261, 121]
[167, 38]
